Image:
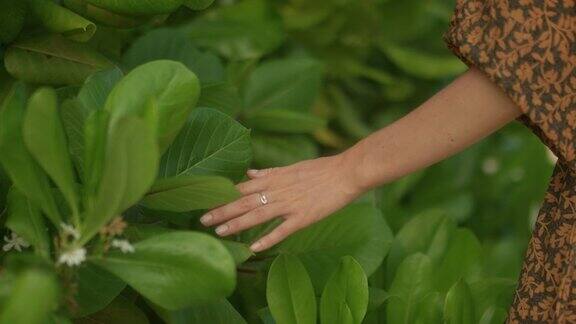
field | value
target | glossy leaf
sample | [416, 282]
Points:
[345, 296]
[33, 298]
[176, 270]
[129, 171]
[174, 44]
[53, 60]
[210, 143]
[97, 288]
[357, 230]
[193, 192]
[45, 138]
[25, 219]
[459, 305]
[163, 92]
[289, 292]
[60, 20]
[18, 163]
[284, 84]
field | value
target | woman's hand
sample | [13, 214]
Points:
[302, 194]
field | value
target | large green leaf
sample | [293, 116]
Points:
[96, 289]
[33, 298]
[210, 143]
[20, 166]
[176, 270]
[284, 121]
[53, 60]
[60, 20]
[243, 30]
[281, 150]
[129, 170]
[97, 87]
[284, 84]
[345, 296]
[174, 44]
[459, 304]
[25, 219]
[103, 16]
[191, 192]
[164, 92]
[358, 230]
[289, 292]
[218, 312]
[44, 136]
[414, 279]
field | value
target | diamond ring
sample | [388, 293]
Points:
[263, 198]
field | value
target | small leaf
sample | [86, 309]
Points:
[53, 60]
[186, 193]
[176, 270]
[44, 136]
[459, 305]
[289, 292]
[18, 163]
[345, 296]
[33, 298]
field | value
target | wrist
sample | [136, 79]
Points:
[351, 166]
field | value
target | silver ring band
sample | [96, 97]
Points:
[263, 198]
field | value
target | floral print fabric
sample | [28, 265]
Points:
[528, 48]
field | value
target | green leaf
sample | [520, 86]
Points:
[74, 117]
[176, 270]
[33, 298]
[285, 121]
[138, 8]
[281, 150]
[345, 296]
[97, 87]
[239, 251]
[494, 315]
[198, 4]
[289, 292]
[24, 172]
[53, 60]
[459, 305]
[217, 312]
[12, 18]
[129, 171]
[119, 311]
[174, 44]
[26, 220]
[221, 96]
[164, 92]
[429, 309]
[193, 192]
[429, 233]
[210, 143]
[289, 84]
[420, 64]
[44, 136]
[414, 279]
[94, 154]
[96, 289]
[103, 16]
[60, 20]
[357, 230]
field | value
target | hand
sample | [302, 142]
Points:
[302, 194]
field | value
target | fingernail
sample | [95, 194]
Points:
[256, 247]
[221, 229]
[252, 172]
[206, 219]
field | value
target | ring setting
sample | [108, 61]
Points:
[263, 198]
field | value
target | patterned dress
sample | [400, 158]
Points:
[528, 48]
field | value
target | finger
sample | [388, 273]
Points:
[252, 218]
[251, 186]
[234, 209]
[277, 235]
[255, 174]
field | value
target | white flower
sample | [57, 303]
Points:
[490, 166]
[73, 257]
[70, 230]
[14, 242]
[123, 245]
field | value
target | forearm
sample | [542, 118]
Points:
[464, 112]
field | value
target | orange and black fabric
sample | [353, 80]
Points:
[528, 48]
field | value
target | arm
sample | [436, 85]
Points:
[466, 111]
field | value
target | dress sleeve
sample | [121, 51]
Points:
[528, 48]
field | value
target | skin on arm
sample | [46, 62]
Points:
[466, 111]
